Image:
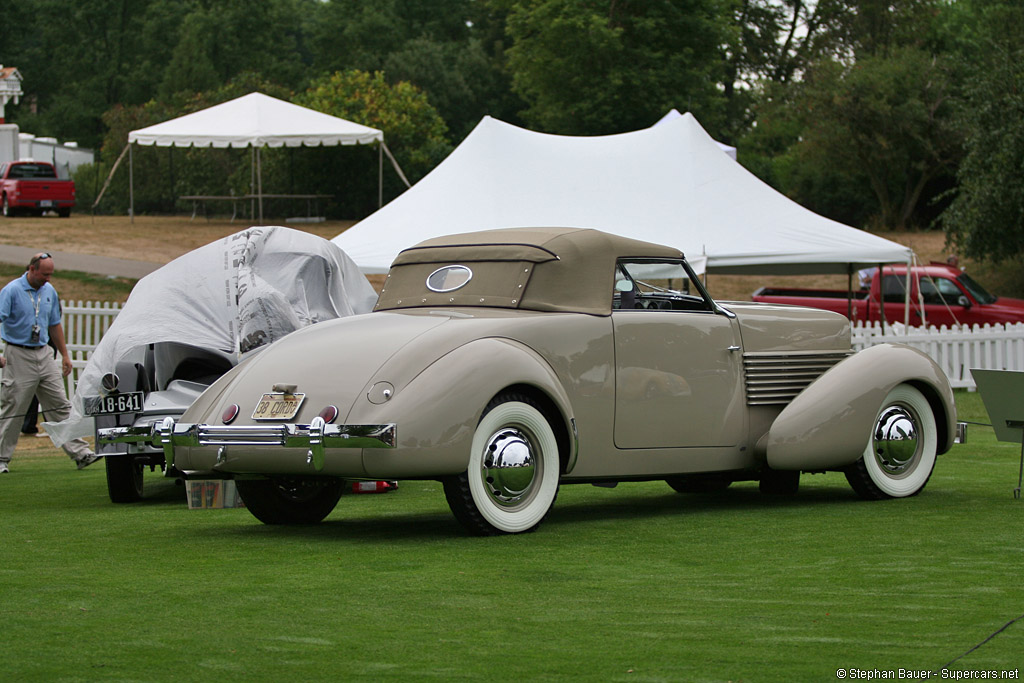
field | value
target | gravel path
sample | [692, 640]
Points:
[98, 265]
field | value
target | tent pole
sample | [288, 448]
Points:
[380, 175]
[906, 304]
[131, 184]
[849, 291]
[259, 182]
[252, 181]
[110, 176]
[394, 162]
[881, 296]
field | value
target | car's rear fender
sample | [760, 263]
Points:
[828, 425]
[437, 412]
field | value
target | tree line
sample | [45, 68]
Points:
[898, 114]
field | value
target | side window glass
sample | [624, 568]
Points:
[929, 294]
[948, 289]
[894, 288]
[940, 291]
[656, 285]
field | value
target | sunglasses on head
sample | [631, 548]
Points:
[37, 259]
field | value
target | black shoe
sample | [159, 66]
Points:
[86, 461]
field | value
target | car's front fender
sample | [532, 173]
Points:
[828, 425]
[437, 412]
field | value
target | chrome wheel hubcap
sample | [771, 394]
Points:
[509, 467]
[896, 439]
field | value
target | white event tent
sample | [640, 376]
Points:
[674, 114]
[669, 184]
[255, 120]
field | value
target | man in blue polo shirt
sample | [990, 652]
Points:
[30, 318]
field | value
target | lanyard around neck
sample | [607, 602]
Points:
[35, 300]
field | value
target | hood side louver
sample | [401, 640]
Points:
[776, 378]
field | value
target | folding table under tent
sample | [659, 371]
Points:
[256, 120]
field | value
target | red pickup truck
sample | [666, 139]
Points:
[32, 187]
[939, 295]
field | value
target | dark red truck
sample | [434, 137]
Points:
[939, 295]
[33, 187]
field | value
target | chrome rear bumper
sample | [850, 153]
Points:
[315, 437]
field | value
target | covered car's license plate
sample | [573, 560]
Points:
[113, 404]
[278, 406]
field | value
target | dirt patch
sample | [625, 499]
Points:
[160, 239]
[155, 239]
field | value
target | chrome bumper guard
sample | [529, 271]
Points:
[315, 437]
[960, 436]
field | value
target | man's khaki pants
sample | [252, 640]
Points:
[33, 372]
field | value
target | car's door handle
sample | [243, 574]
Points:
[733, 348]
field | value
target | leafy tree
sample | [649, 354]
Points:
[460, 79]
[986, 217]
[775, 40]
[864, 131]
[889, 120]
[453, 50]
[80, 59]
[71, 78]
[413, 130]
[587, 67]
[771, 150]
[353, 34]
[218, 41]
[191, 66]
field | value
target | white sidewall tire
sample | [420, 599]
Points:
[530, 512]
[914, 480]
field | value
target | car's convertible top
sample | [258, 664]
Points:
[538, 269]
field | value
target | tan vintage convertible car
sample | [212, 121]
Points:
[509, 362]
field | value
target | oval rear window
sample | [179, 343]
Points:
[449, 278]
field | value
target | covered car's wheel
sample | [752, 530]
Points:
[900, 454]
[290, 500]
[124, 478]
[512, 478]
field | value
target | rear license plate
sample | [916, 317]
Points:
[278, 406]
[46, 203]
[113, 404]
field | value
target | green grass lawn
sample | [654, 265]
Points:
[636, 583]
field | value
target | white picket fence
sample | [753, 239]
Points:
[84, 324]
[956, 350]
